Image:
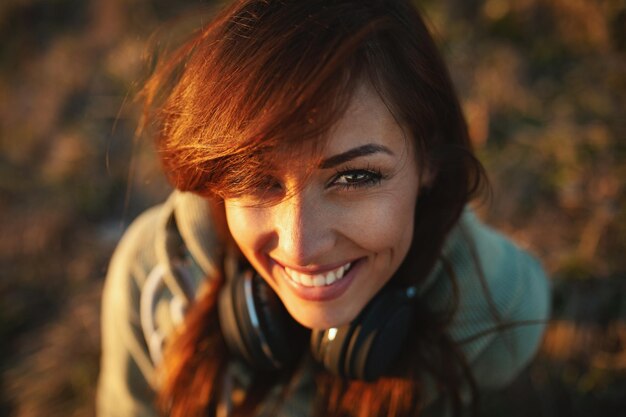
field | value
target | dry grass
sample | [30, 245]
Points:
[543, 85]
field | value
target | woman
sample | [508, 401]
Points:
[323, 167]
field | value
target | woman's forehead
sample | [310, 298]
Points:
[367, 121]
[366, 131]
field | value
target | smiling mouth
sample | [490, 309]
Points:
[318, 280]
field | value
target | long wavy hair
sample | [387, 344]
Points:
[265, 74]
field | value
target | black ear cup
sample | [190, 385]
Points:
[367, 347]
[229, 323]
[256, 325]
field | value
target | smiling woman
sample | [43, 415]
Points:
[322, 167]
[351, 217]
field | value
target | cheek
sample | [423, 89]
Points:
[244, 226]
[384, 223]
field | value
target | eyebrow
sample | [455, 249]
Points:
[354, 153]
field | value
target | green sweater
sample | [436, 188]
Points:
[146, 291]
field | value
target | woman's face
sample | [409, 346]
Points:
[339, 234]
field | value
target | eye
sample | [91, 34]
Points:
[258, 190]
[356, 178]
[267, 183]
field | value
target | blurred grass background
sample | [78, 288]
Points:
[543, 84]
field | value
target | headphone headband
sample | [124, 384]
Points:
[258, 328]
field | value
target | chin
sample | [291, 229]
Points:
[320, 318]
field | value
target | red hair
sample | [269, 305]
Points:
[267, 74]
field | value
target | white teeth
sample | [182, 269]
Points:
[317, 280]
[306, 280]
[294, 276]
[342, 270]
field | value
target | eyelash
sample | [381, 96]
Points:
[372, 177]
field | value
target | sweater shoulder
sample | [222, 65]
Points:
[502, 300]
[126, 380]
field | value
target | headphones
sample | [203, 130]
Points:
[257, 327]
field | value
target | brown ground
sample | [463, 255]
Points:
[543, 87]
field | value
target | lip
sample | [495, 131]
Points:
[311, 270]
[327, 292]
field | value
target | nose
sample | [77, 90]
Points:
[304, 229]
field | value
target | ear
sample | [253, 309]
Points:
[427, 176]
